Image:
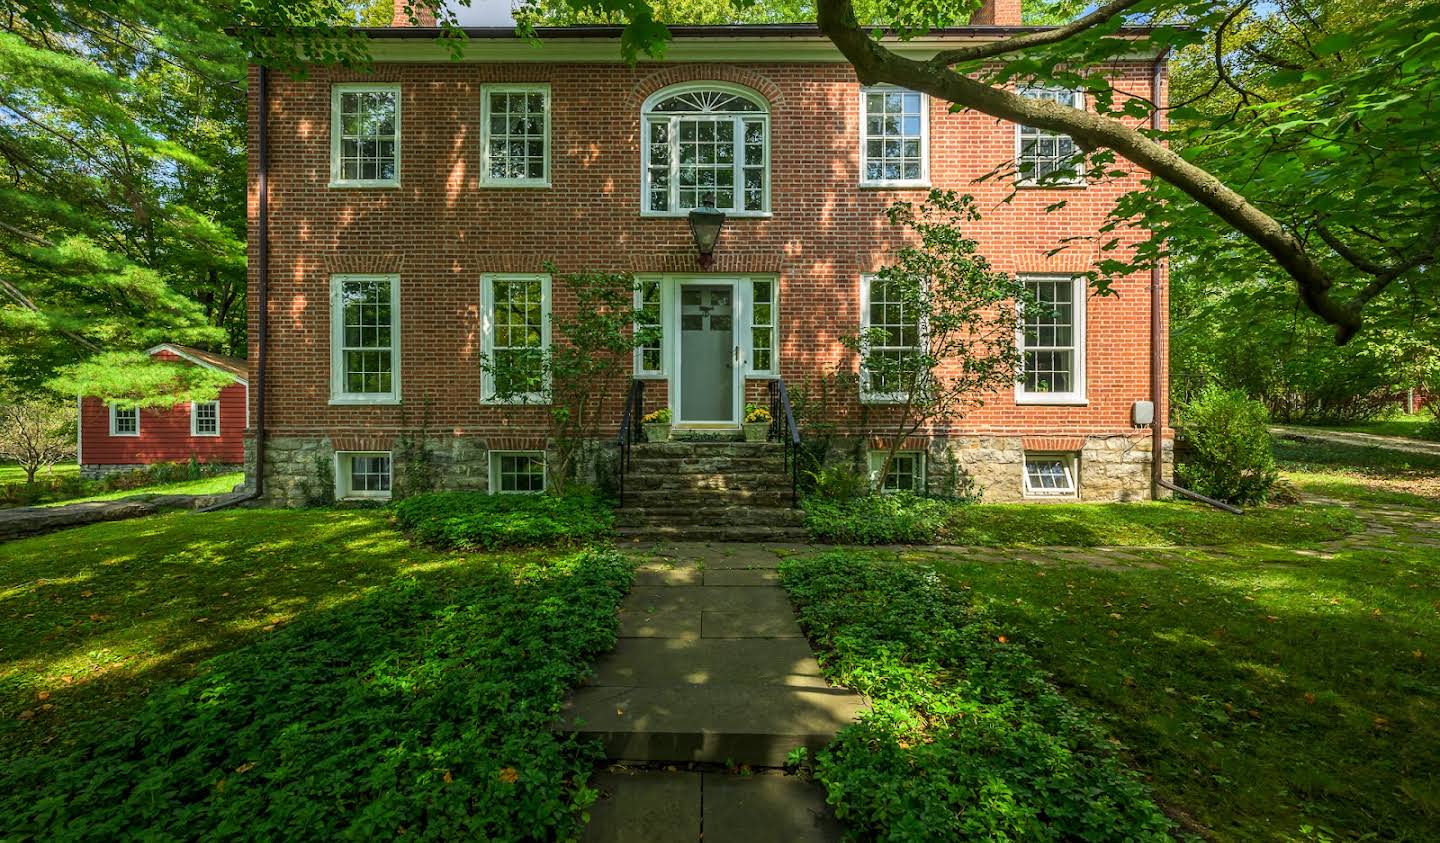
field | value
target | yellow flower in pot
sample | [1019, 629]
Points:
[757, 423]
[657, 425]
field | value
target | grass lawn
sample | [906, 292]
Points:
[218, 485]
[12, 473]
[347, 667]
[1409, 425]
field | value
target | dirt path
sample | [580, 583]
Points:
[1364, 440]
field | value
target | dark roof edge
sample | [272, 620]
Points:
[745, 30]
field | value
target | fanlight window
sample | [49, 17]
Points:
[706, 146]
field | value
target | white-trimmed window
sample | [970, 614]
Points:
[1051, 336]
[894, 137]
[124, 421]
[763, 341]
[204, 418]
[515, 135]
[1043, 157]
[907, 472]
[705, 144]
[649, 317]
[364, 135]
[365, 339]
[516, 337]
[1049, 475]
[517, 472]
[362, 475]
[892, 332]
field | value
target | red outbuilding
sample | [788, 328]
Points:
[113, 439]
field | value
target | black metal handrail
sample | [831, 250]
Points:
[783, 429]
[630, 429]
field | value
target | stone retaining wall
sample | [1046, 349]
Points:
[95, 471]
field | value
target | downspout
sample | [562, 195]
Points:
[1157, 346]
[262, 322]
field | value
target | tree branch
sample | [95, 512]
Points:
[874, 63]
[1017, 43]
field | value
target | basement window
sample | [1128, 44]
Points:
[517, 472]
[906, 474]
[362, 476]
[1049, 475]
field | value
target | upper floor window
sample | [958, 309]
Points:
[124, 421]
[364, 339]
[515, 135]
[1052, 342]
[365, 135]
[1042, 156]
[895, 138]
[706, 145]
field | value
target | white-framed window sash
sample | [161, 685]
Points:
[124, 421]
[867, 394]
[526, 148]
[523, 472]
[1049, 475]
[1043, 149]
[498, 336]
[749, 309]
[204, 418]
[361, 348]
[1075, 394]
[363, 146]
[663, 134]
[909, 112]
[363, 475]
[907, 471]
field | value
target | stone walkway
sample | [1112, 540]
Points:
[710, 668]
[1364, 440]
[23, 521]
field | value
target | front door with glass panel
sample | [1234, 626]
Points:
[707, 353]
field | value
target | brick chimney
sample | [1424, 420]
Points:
[424, 13]
[993, 13]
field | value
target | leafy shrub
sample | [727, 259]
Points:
[967, 739]
[416, 711]
[467, 520]
[839, 483]
[1229, 443]
[899, 518]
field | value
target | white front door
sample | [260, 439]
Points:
[710, 380]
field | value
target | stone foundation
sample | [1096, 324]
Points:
[300, 471]
[96, 471]
[1110, 468]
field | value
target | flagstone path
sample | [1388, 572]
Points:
[711, 674]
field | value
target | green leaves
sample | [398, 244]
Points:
[473, 520]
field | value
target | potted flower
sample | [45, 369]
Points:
[757, 423]
[657, 425]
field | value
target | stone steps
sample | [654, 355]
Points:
[724, 533]
[709, 491]
[704, 516]
[651, 498]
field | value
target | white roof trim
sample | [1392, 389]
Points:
[165, 346]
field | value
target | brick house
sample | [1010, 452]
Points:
[411, 209]
[112, 439]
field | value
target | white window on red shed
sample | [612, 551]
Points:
[124, 421]
[204, 418]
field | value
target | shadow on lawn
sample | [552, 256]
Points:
[1258, 696]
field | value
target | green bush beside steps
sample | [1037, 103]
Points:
[476, 520]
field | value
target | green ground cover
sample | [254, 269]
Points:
[356, 684]
[1408, 425]
[218, 485]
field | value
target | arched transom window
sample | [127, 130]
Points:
[706, 144]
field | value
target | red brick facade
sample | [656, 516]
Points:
[442, 229]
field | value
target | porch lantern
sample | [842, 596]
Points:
[705, 225]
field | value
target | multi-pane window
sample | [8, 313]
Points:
[519, 472]
[1049, 474]
[892, 337]
[650, 355]
[703, 147]
[365, 135]
[906, 474]
[516, 337]
[124, 421]
[205, 418]
[1051, 339]
[365, 337]
[894, 137]
[1043, 156]
[516, 135]
[762, 326]
[362, 475]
